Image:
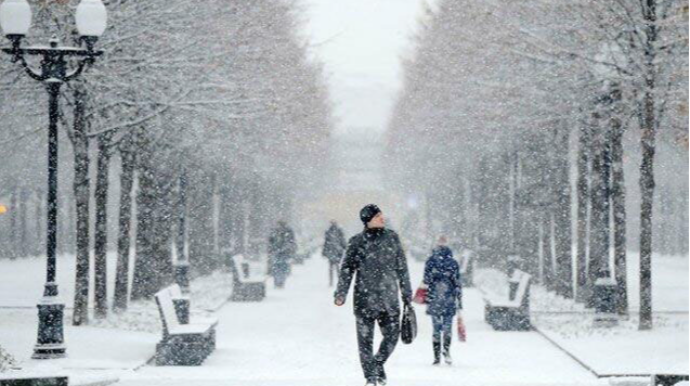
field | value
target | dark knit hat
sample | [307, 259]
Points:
[368, 212]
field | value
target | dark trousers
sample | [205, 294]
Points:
[390, 328]
[442, 324]
[333, 270]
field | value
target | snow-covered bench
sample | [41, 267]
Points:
[511, 314]
[671, 380]
[28, 380]
[247, 285]
[182, 344]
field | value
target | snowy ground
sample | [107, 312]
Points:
[297, 337]
[22, 280]
[105, 347]
[669, 282]
[294, 337]
[622, 349]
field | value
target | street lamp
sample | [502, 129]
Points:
[15, 20]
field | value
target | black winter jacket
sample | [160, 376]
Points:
[334, 244]
[377, 258]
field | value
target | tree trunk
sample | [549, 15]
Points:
[81, 198]
[101, 229]
[619, 215]
[163, 227]
[583, 159]
[4, 235]
[512, 189]
[124, 233]
[535, 198]
[256, 237]
[563, 221]
[23, 222]
[153, 265]
[70, 239]
[683, 225]
[546, 251]
[144, 281]
[200, 225]
[647, 168]
[459, 220]
[239, 223]
[181, 237]
[14, 214]
[470, 217]
[647, 190]
[224, 219]
[600, 232]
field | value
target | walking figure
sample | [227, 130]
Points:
[281, 250]
[377, 258]
[333, 248]
[444, 297]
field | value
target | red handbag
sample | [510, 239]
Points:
[420, 294]
[462, 332]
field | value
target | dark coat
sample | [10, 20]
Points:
[281, 249]
[377, 258]
[334, 244]
[442, 275]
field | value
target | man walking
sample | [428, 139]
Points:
[333, 248]
[377, 257]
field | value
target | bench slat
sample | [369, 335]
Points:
[186, 329]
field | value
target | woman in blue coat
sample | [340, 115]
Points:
[444, 297]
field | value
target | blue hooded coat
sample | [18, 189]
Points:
[442, 275]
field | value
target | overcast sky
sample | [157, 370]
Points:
[361, 43]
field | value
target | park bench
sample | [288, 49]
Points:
[248, 286]
[511, 314]
[183, 344]
[28, 380]
[670, 380]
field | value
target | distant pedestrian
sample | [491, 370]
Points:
[444, 297]
[377, 258]
[281, 251]
[333, 248]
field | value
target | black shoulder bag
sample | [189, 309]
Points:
[408, 330]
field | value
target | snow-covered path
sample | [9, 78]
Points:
[298, 337]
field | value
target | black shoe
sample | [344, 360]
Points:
[446, 350]
[381, 375]
[437, 352]
[371, 382]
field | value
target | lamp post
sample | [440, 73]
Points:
[15, 20]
